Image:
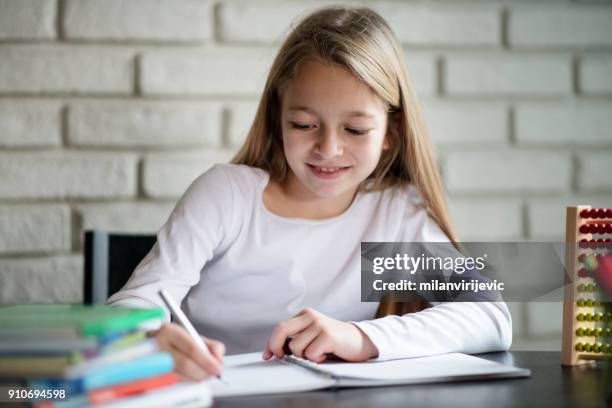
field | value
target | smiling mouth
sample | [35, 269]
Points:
[328, 171]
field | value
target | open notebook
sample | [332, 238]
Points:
[248, 374]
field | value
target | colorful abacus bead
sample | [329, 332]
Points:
[579, 347]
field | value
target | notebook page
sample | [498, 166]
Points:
[446, 367]
[249, 374]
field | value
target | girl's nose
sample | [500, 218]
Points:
[329, 144]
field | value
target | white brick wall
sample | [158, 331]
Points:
[596, 75]
[27, 19]
[110, 108]
[144, 124]
[507, 171]
[471, 124]
[508, 74]
[29, 228]
[497, 219]
[574, 26]
[29, 123]
[233, 71]
[149, 20]
[64, 70]
[443, 24]
[577, 123]
[56, 279]
[169, 175]
[70, 174]
[594, 171]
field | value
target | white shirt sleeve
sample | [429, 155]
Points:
[184, 244]
[466, 327]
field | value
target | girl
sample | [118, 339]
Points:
[267, 248]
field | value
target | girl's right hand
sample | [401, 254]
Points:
[189, 360]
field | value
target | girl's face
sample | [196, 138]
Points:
[333, 128]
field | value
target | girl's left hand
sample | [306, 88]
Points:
[315, 335]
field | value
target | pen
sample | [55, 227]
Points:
[178, 314]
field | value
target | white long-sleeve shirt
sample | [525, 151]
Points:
[240, 269]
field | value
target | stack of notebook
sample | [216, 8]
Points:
[75, 355]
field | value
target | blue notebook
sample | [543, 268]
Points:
[148, 366]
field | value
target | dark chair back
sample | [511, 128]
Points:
[110, 259]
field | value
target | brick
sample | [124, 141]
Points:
[64, 70]
[507, 171]
[544, 318]
[56, 279]
[29, 124]
[67, 175]
[483, 220]
[443, 24]
[594, 171]
[27, 19]
[546, 216]
[507, 74]
[221, 71]
[127, 217]
[169, 175]
[550, 342]
[582, 123]
[240, 118]
[26, 228]
[423, 71]
[467, 123]
[260, 22]
[413, 24]
[595, 75]
[146, 124]
[561, 25]
[148, 20]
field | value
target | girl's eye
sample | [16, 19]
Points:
[301, 126]
[357, 132]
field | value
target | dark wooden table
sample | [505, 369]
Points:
[550, 385]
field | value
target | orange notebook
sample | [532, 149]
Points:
[107, 394]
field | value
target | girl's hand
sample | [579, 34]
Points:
[315, 335]
[189, 360]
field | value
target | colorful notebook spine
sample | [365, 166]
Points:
[113, 393]
[144, 367]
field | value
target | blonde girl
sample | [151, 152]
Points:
[265, 252]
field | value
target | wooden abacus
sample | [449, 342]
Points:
[587, 327]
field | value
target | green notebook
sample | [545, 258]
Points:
[89, 321]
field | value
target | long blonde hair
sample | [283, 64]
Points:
[360, 40]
